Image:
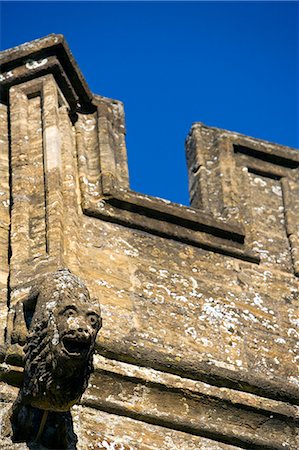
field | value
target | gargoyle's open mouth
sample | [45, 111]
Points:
[74, 346]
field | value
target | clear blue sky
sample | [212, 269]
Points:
[232, 65]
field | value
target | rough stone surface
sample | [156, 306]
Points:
[199, 345]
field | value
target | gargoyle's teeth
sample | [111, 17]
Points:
[75, 347]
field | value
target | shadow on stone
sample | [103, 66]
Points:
[43, 429]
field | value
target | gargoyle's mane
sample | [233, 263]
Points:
[45, 371]
[57, 324]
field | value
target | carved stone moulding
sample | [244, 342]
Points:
[40, 57]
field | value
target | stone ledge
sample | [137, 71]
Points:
[169, 220]
[207, 371]
[154, 397]
[212, 372]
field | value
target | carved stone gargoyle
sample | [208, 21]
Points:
[58, 325]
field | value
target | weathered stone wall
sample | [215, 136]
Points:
[199, 345]
[4, 216]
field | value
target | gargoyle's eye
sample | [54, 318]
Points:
[69, 312]
[93, 319]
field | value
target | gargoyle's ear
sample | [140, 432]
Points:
[23, 313]
[95, 302]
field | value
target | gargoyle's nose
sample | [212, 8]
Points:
[83, 333]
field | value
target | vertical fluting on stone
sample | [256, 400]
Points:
[70, 188]
[37, 222]
[37, 217]
[4, 215]
[21, 184]
[53, 170]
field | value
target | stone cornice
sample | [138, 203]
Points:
[50, 54]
